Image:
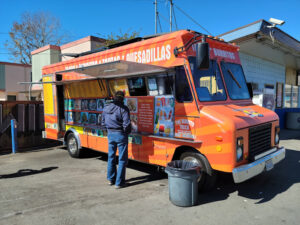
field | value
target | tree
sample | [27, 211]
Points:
[113, 38]
[32, 32]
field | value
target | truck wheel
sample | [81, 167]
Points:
[208, 176]
[72, 146]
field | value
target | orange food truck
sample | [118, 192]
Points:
[188, 100]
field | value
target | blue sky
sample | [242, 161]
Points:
[83, 18]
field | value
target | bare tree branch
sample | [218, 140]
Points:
[33, 31]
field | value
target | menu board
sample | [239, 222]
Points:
[145, 114]
[164, 116]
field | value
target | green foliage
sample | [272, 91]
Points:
[113, 38]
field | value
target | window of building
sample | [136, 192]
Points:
[287, 95]
[295, 95]
[255, 86]
[183, 91]
[11, 97]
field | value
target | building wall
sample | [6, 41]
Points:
[15, 74]
[2, 77]
[291, 76]
[82, 47]
[41, 59]
[261, 71]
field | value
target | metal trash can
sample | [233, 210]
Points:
[183, 182]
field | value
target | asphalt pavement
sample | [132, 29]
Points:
[47, 186]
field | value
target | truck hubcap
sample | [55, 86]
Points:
[72, 145]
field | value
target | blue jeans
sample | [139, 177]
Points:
[120, 140]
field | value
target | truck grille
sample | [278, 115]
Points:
[259, 140]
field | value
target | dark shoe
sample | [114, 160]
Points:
[110, 182]
[120, 186]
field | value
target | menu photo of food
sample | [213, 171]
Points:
[84, 104]
[100, 104]
[84, 116]
[66, 104]
[92, 118]
[92, 105]
[77, 104]
[132, 104]
[69, 104]
[77, 117]
[94, 132]
[70, 117]
[135, 139]
[134, 123]
[99, 119]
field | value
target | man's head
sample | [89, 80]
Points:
[119, 96]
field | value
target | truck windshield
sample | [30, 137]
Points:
[235, 81]
[208, 83]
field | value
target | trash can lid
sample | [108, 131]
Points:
[183, 165]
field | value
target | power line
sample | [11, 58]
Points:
[175, 18]
[187, 15]
[159, 23]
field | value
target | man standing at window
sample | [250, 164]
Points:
[116, 119]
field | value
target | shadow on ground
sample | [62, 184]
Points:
[286, 134]
[50, 144]
[27, 172]
[262, 188]
[153, 172]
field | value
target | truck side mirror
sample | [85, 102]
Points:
[202, 56]
[250, 89]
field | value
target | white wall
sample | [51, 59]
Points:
[261, 71]
[79, 48]
[2, 95]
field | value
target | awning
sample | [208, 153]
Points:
[117, 69]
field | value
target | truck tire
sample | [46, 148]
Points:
[208, 176]
[72, 146]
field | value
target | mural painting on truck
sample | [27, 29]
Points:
[181, 112]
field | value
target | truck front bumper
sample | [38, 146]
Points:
[245, 172]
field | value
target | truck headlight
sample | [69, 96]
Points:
[277, 139]
[239, 149]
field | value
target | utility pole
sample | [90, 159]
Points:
[155, 4]
[171, 6]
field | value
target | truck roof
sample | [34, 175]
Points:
[155, 50]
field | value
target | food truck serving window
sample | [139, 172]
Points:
[137, 86]
[160, 85]
[208, 83]
[235, 81]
